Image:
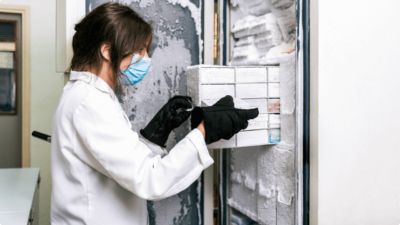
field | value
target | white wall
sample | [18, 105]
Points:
[46, 88]
[355, 112]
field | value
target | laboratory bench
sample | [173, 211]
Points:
[19, 196]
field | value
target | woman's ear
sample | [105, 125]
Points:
[105, 51]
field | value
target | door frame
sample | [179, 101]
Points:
[24, 11]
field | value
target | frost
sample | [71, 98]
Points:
[278, 53]
[285, 213]
[267, 36]
[145, 3]
[285, 197]
[250, 183]
[256, 8]
[263, 191]
[249, 51]
[288, 83]
[257, 35]
[241, 209]
[196, 15]
[245, 41]
[261, 7]
[288, 27]
[284, 164]
[236, 177]
[196, 12]
[243, 195]
[167, 215]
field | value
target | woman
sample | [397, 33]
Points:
[102, 171]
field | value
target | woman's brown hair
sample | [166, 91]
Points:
[116, 25]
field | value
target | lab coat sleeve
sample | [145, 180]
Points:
[108, 137]
[157, 150]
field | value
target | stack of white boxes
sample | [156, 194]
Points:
[254, 37]
[251, 87]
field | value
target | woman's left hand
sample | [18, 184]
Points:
[168, 118]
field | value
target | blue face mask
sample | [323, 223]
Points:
[136, 71]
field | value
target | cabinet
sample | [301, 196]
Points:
[19, 196]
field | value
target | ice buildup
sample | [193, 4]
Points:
[256, 36]
[263, 177]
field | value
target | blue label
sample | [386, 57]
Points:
[273, 140]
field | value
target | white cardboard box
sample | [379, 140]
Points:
[273, 74]
[251, 75]
[212, 76]
[260, 103]
[210, 91]
[252, 138]
[251, 90]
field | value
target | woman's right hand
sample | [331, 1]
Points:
[202, 129]
[222, 120]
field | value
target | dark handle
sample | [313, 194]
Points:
[42, 136]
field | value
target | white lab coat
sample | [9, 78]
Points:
[102, 171]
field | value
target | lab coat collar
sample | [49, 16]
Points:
[93, 80]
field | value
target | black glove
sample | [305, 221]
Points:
[222, 120]
[167, 119]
